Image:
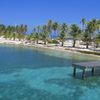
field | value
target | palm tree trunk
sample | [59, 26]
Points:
[19, 39]
[97, 45]
[37, 41]
[45, 42]
[62, 44]
[19, 36]
[14, 37]
[87, 45]
[74, 42]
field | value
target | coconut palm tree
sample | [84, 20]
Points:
[36, 34]
[21, 30]
[75, 32]
[44, 34]
[30, 38]
[18, 30]
[83, 21]
[62, 34]
[55, 27]
[25, 29]
[97, 40]
[2, 29]
[49, 27]
[38, 29]
[89, 33]
[86, 37]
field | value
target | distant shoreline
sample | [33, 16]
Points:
[52, 47]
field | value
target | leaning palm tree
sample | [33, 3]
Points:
[75, 32]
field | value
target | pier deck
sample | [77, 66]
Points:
[85, 65]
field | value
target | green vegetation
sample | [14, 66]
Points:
[63, 33]
[75, 32]
[54, 41]
[89, 33]
[14, 32]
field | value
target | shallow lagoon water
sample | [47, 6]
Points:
[38, 74]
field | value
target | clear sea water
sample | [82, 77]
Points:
[37, 74]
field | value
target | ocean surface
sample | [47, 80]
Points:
[41, 74]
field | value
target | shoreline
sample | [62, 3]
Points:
[79, 49]
[51, 47]
[63, 50]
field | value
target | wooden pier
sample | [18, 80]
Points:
[85, 65]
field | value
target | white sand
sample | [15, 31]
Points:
[67, 45]
[8, 41]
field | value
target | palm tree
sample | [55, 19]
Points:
[25, 29]
[97, 40]
[12, 34]
[55, 27]
[44, 34]
[2, 29]
[86, 37]
[49, 27]
[8, 32]
[38, 29]
[75, 32]
[89, 32]
[21, 30]
[30, 37]
[18, 30]
[83, 21]
[35, 34]
[62, 34]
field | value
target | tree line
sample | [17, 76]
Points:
[88, 32]
[18, 31]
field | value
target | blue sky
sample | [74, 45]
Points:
[37, 12]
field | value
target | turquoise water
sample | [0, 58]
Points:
[38, 74]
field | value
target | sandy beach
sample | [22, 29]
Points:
[67, 47]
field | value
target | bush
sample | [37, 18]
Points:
[53, 41]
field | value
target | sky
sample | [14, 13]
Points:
[38, 12]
